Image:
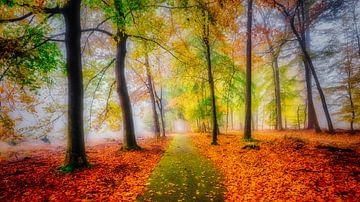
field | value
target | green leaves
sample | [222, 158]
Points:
[26, 56]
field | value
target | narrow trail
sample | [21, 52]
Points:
[183, 175]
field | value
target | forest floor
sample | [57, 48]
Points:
[289, 165]
[32, 174]
[184, 175]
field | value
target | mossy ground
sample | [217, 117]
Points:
[184, 175]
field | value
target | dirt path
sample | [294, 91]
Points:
[183, 175]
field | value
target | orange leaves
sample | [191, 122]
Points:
[292, 168]
[115, 175]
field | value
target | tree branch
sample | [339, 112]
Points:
[16, 19]
[98, 30]
[157, 43]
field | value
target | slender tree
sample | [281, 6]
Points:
[247, 127]
[151, 91]
[296, 17]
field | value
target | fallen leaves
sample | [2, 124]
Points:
[115, 175]
[291, 168]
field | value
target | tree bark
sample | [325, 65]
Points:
[313, 122]
[122, 90]
[321, 93]
[156, 124]
[350, 94]
[215, 129]
[206, 34]
[311, 115]
[277, 93]
[75, 154]
[161, 110]
[247, 129]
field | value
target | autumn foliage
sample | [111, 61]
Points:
[114, 176]
[292, 166]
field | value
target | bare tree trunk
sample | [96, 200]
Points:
[75, 154]
[305, 115]
[206, 32]
[232, 118]
[122, 90]
[350, 94]
[279, 125]
[298, 117]
[161, 110]
[247, 129]
[227, 116]
[311, 115]
[156, 124]
[321, 93]
[215, 129]
[308, 60]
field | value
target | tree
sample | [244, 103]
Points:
[295, 14]
[75, 155]
[151, 91]
[247, 127]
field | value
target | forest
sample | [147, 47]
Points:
[179, 100]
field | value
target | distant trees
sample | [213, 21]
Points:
[295, 14]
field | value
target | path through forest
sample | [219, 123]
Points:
[184, 175]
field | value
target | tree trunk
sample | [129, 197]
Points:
[277, 94]
[75, 154]
[308, 60]
[156, 124]
[311, 115]
[215, 129]
[313, 122]
[322, 97]
[232, 118]
[227, 117]
[247, 129]
[350, 94]
[161, 110]
[162, 118]
[128, 122]
[206, 32]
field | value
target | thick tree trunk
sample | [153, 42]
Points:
[75, 154]
[156, 124]
[247, 129]
[128, 122]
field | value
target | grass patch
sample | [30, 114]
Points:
[249, 140]
[334, 149]
[251, 146]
